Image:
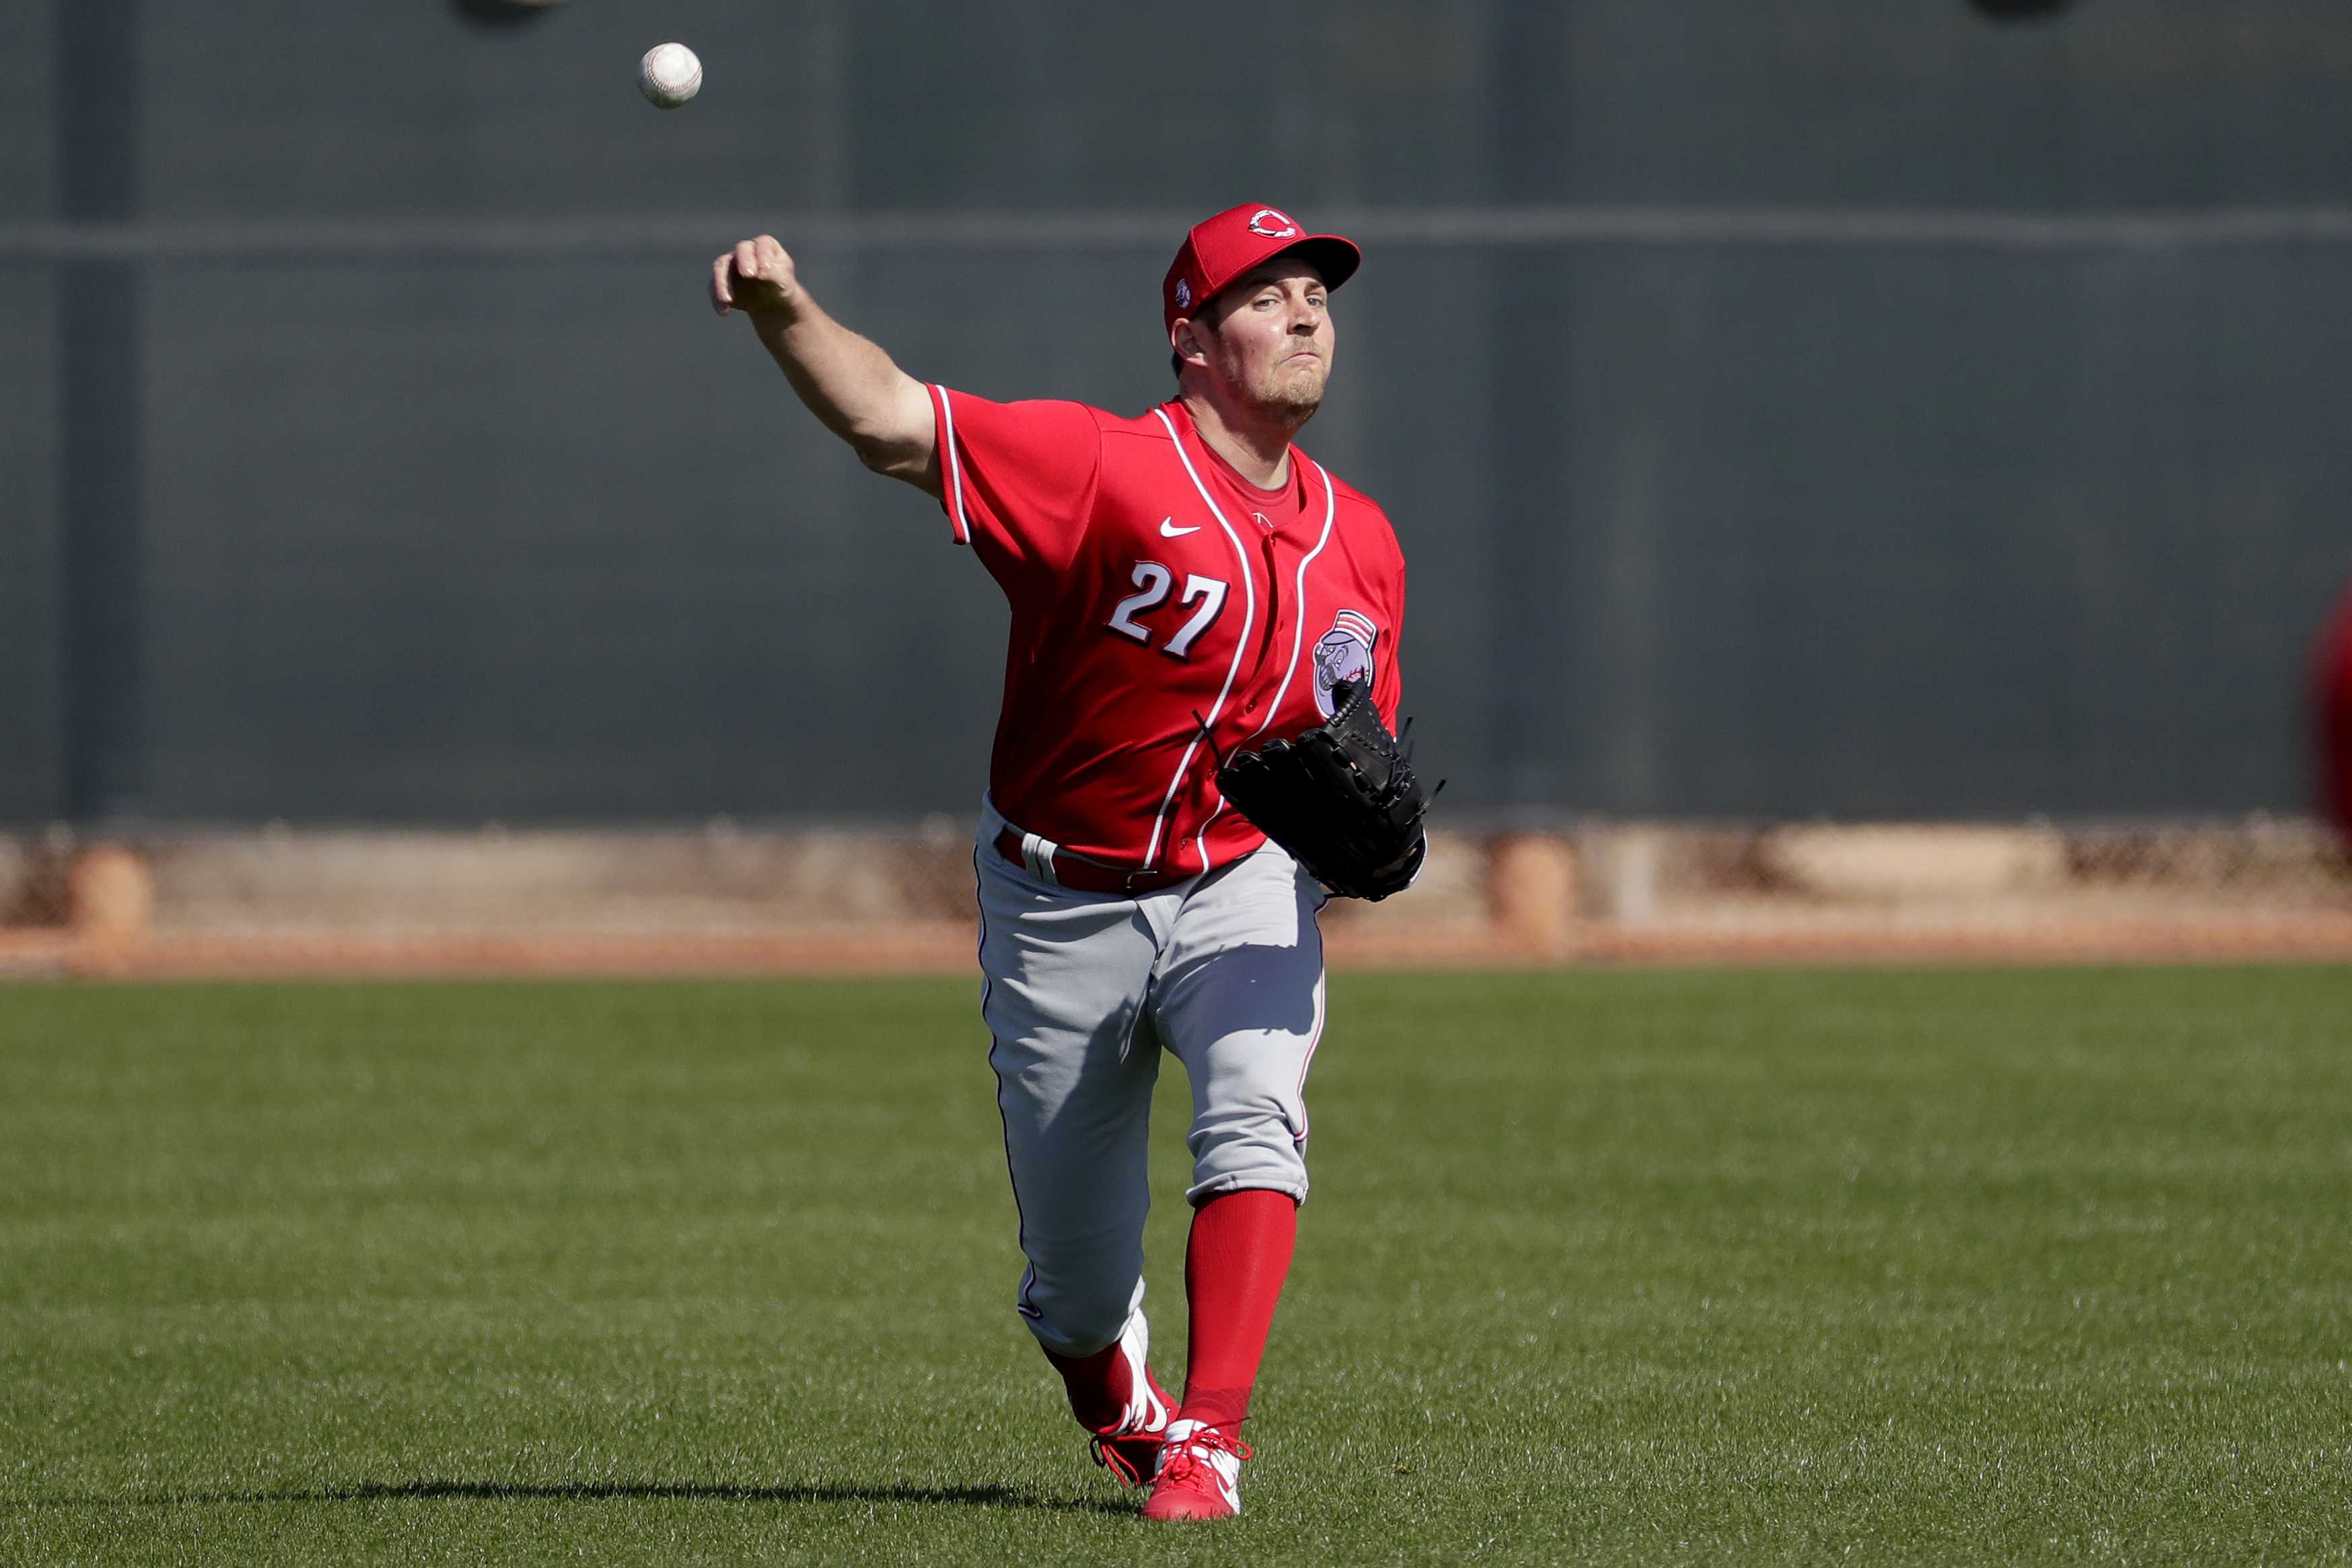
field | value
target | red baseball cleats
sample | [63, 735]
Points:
[1132, 1457]
[1200, 1474]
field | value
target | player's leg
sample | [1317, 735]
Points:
[1239, 998]
[1067, 974]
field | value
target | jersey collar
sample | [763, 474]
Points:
[1295, 485]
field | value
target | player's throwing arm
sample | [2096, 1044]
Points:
[846, 381]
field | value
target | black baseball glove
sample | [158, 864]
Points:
[1341, 798]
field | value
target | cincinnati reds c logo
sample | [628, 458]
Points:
[1272, 224]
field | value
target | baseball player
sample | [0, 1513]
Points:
[1183, 584]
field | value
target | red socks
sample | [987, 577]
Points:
[1097, 1386]
[1233, 1268]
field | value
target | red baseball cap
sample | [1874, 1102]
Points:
[1221, 248]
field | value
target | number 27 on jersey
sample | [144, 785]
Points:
[1154, 582]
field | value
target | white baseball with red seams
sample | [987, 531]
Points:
[669, 75]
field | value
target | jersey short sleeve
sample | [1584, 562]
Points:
[1017, 478]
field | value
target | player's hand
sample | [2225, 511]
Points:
[755, 278]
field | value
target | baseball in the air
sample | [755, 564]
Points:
[669, 75]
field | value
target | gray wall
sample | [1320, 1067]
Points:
[1778, 416]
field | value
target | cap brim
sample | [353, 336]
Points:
[1335, 257]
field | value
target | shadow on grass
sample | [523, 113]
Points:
[593, 1491]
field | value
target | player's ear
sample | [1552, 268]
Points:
[1185, 339]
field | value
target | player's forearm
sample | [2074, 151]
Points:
[846, 382]
[854, 388]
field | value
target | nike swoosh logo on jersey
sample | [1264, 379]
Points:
[1166, 531]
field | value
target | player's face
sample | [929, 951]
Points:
[1269, 339]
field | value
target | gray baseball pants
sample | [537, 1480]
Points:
[1083, 992]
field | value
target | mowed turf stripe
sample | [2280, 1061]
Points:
[1697, 1267]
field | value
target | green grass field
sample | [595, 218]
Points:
[1753, 1268]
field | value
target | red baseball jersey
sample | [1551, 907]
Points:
[1164, 609]
[2332, 716]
